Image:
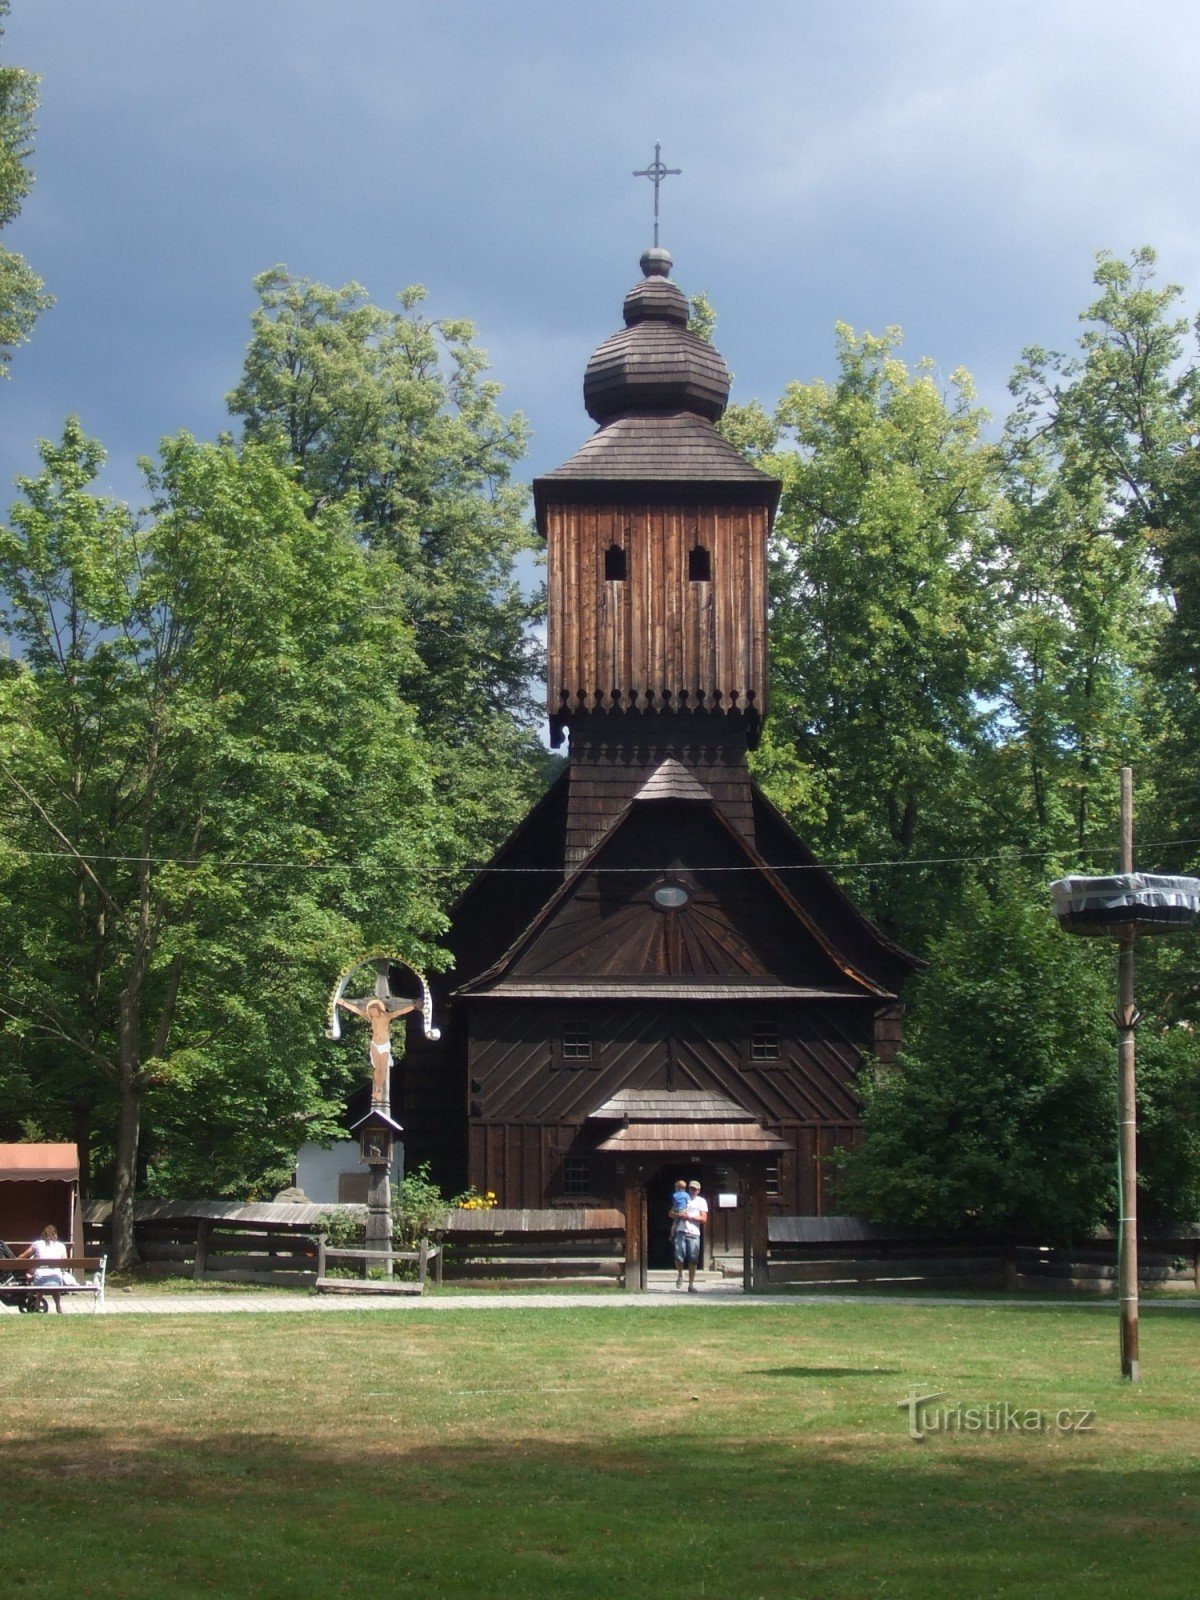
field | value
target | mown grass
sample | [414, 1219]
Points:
[730, 1451]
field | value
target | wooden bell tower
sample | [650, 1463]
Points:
[656, 534]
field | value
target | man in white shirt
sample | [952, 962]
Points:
[689, 1237]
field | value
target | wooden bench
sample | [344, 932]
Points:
[95, 1265]
[424, 1255]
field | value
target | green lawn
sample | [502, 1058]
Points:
[725, 1451]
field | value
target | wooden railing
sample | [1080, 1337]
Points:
[383, 1263]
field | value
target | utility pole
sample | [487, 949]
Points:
[1127, 1019]
[1124, 906]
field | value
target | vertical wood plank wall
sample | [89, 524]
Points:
[657, 639]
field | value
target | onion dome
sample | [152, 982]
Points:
[654, 364]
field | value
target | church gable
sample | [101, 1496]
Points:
[674, 897]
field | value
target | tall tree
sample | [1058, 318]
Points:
[998, 1116]
[883, 626]
[22, 294]
[1099, 448]
[214, 792]
[389, 414]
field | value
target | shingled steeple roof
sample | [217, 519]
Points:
[656, 389]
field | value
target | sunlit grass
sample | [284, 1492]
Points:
[733, 1450]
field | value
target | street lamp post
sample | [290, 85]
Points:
[1126, 905]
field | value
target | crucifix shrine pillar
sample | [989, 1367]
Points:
[377, 1130]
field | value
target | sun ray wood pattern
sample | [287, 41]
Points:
[654, 967]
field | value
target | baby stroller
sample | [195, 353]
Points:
[23, 1302]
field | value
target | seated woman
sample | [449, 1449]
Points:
[48, 1248]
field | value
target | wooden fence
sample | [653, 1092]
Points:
[278, 1244]
[214, 1241]
[842, 1252]
[584, 1244]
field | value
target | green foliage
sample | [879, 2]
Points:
[1097, 447]
[419, 1209]
[967, 642]
[999, 1114]
[22, 295]
[388, 415]
[213, 794]
[702, 320]
[883, 619]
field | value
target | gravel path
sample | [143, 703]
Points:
[123, 1303]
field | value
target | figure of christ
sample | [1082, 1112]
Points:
[380, 1014]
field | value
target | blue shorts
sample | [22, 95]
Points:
[687, 1251]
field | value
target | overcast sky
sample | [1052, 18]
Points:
[948, 166]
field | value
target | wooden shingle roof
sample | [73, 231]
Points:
[656, 388]
[671, 1105]
[671, 780]
[703, 1138]
[667, 447]
[655, 363]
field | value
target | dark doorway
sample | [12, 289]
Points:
[659, 1251]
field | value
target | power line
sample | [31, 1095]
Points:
[480, 870]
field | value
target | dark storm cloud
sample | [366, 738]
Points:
[945, 167]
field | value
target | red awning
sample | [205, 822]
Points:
[38, 1163]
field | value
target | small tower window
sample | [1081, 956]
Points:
[614, 564]
[699, 565]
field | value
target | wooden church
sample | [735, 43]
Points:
[654, 976]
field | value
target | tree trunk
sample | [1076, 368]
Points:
[82, 1118]
[129, 1119]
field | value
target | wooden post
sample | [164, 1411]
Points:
[759, 1243]
[746, 1198]
[203, 1229]
[1127, 1257]
[643, 1213]
[379, 1205]
[635, 1234]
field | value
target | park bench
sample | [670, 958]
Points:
[425, 1255]
[90, 1271]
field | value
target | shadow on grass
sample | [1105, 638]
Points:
[268, 1517]
[822, 1372]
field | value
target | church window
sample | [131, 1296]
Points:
[699, 565]
[614, 564]
[671, 897]
[577, 1176]
[764, 1042]
[576, 1044]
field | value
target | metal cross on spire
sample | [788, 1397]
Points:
[656, 172]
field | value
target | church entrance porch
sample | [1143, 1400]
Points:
[660, 1135]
